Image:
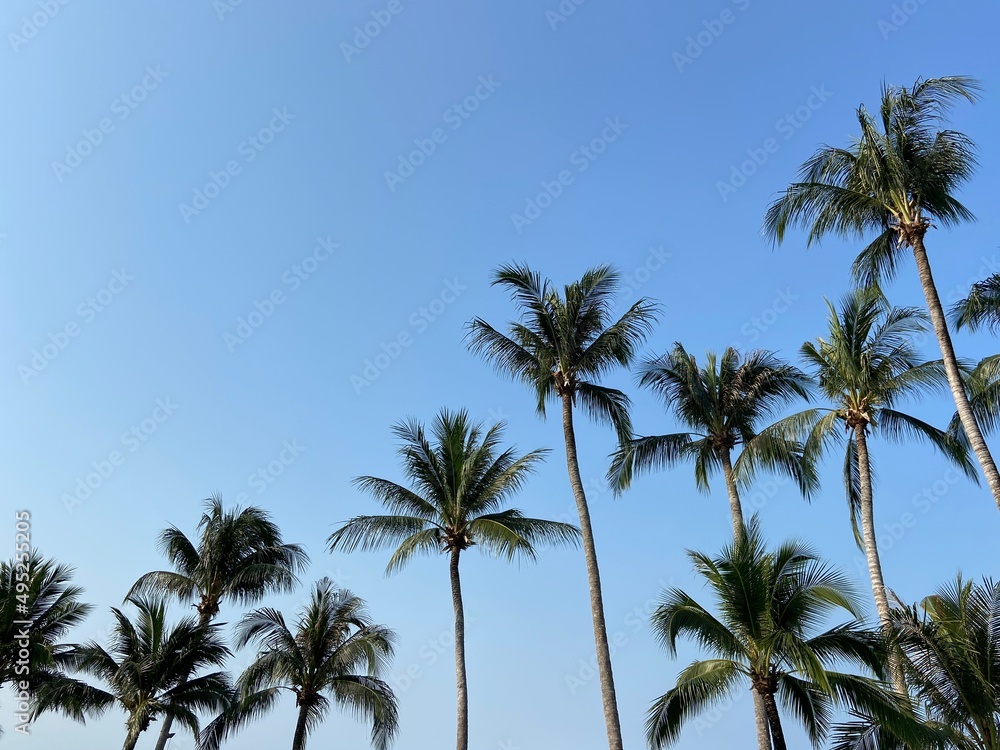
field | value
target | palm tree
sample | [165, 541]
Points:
[51, 608]
[866, 366]
[951, 645]
[897, 177]
[460, 484]
[334, 656]
[981, 309]
[768, 603]
[983, 386]
[239, 557]
[148, 669]
[560, 347]
[724, 404]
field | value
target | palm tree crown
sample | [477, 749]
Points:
[725, 404]
[239, 557]
[333, 655]
[147, 668]
[768, 603]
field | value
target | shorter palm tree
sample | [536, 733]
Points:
[334, 657]
[51, 608]
[461, 483]
[951, 645]
[150, 671]
[981, 309]
[865, 367]
[768, 602]
[726, 404]
[983, 385]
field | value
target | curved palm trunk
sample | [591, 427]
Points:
[608, 696]
[871, 550]
[299, 739]
[965, 414]
[774, 721]
[130, 742]
[735, 508]
[460, 679]
[739, 530]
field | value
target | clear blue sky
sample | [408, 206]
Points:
[414, 256]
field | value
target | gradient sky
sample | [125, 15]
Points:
[414, 259]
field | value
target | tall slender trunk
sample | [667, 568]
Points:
[130, 742]
[871, 551]
[735, 508]
[299, 739]
[168, 721]
[958, 391]
[774, 721]
[763, 726]
[460, 680]
[739, 531]
[608, 696]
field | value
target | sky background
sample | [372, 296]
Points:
[652, 198]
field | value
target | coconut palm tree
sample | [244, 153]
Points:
[865, 367]
[981, 309]
[724, 404]
[461, 480]
[983, 385]
[334, 657]
[239, 557]
[39, 600]
[150, 671]
[560, 347]
[951, 647]
[897, 178]
[768, 604]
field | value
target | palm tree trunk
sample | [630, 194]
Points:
[131, 741]
[739, 530]
[168, 721]
[958, 391]
[608, 696]
[871, 550]
[299, 739]
[774, 721]
[460, 679]
[735, 508]
[763, 728]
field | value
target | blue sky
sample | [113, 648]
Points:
[254, 162]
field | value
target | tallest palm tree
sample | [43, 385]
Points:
[898, 176]
[560, 347]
